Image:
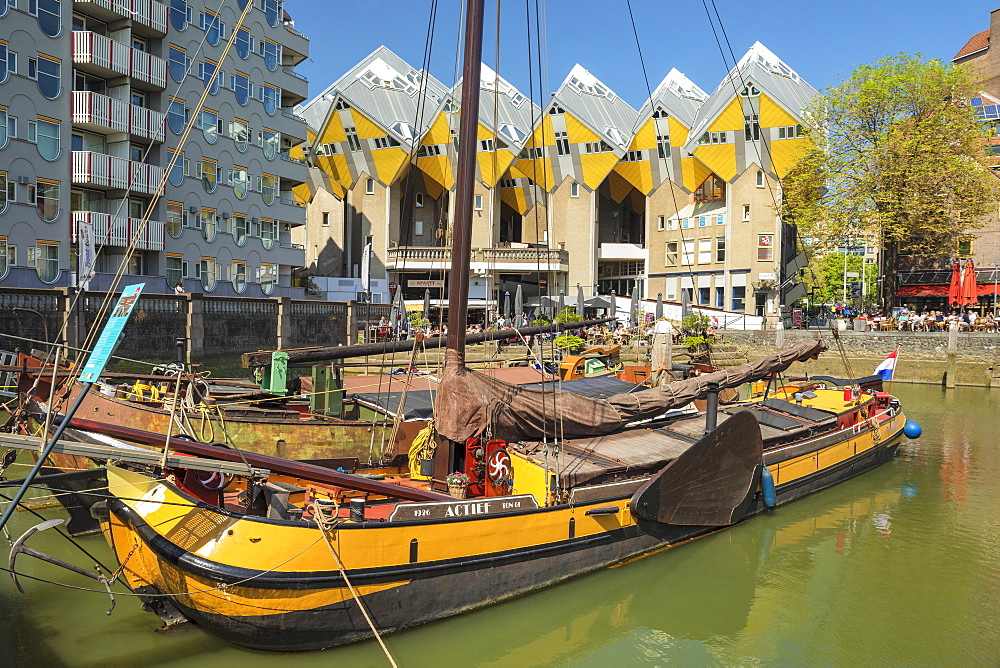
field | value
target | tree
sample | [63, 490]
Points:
[827, 280]
[897, 155]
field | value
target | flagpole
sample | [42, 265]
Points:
[896, 353]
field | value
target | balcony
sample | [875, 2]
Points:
[484, 260]
[120, 231]
[100, 113]
[146, 13]
[108, 172]
[105, 57]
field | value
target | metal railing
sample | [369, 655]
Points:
[96, 49]
[97, 109]
[111, 172]
[288, 69]
[149, 13]
[120, 231]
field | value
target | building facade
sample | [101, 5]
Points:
[99, 96]
[675, 198]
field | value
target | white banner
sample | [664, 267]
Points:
[366, 267]
[424, 283]
[86, 254]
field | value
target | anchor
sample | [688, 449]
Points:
[20, 548]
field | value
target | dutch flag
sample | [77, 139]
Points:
[887, 366]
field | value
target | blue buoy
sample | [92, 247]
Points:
[767, 488]
[912, 429]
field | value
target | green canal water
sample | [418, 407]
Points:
[898, 566]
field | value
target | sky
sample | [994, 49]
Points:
[821, 40]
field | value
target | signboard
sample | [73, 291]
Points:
[422, 283]
[441, 510]
[111, 333]
[366, 267]
[392, 286]
[768, 276]
[87, 253]
[852, 274]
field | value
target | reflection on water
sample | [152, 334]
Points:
[897, 566]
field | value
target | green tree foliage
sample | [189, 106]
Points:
[897, 154]
[568, 314]
[569, 343]
[827, 280]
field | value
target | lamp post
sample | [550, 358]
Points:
[995, 266]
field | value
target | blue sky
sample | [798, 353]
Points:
[822, 40]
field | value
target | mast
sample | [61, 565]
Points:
[461, 248]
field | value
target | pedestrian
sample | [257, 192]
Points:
[179, 288]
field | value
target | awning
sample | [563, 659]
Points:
[922, 291]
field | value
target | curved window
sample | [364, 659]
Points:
[5, 250]
[271, 140]
[179, 14]
[209, 174]
[239, 180]
[209, 74]
[4, 61]
[267, 276]
[272, 54]
[238, 276]
[3, 126]
[3, 194]
[207, 273]
[176, 116]
[208, 227]
[268, 232]
[49, 76]
[272, 10]
[208, 121]
[210, 24]
[175, 222]
[49, 19]
[175, 271]
[243, 42]
[47, 138]
[45, 259]
[241, 87]
[240, 133]
[269, 96]
[47, 199]
[177, 63]
[176, 177]
[268, 187]
[239, 229]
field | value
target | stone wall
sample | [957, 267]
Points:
[318, 324]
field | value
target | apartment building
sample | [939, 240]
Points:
[104, 89]
[675, 198]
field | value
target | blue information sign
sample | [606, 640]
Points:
[112, 331]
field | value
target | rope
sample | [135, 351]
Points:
[325, 524]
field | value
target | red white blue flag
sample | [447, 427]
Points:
[888, 365]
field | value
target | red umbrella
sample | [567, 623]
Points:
[970, 293]
[955, 289]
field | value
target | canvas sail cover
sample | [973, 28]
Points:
[471, 404]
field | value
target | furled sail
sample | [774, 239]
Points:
[471, 404]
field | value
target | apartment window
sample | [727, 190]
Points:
[209, 22]
[385, 142]
[243, 43]
[238, 275]
[177, 63]
[179, 14]
[352, 139]
[136, 152]
[751, 128]
[49, 19]
[486, 145]
[176, 177]
[562, 143]
[177, 115]
[760, 178]
[208, 123]
[272, 11]
[240, 132]
[49, 76]
[418, 228]
[210, 75]
[574, 189]
[720, 251]
[209, 174]
[47, 199]
[239, 228]
[720, 298]
[3, 125]
[672, 224]
[478, 203]
[6, 256]
[12, 62]
[598, 147]
[746, 212]
[704, 251]
[269, 96]
[88, 82]
[3, 190]
[241, 87]
[765, 247]
[267, 276]
[965, 246]
[44, 257]
[663, 146]
[370, 186]
[659, 223]
[671, 254]
[47, 137]
[703, 295]
[208, 227]
[139, 43]
[268, 188]
[789, 132]
[175, 219]
[418, 200]
[739, 295]
[174, 270]
[687, 252]
[271, 51]
[687, 224]
[239, 180]
[702, 221]
[749, 91]
[206, 271]
[5, 64]
[326, 219]
[138, 98]
[268, 232]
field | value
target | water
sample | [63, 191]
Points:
[898, 566]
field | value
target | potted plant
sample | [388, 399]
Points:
[458, 484]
